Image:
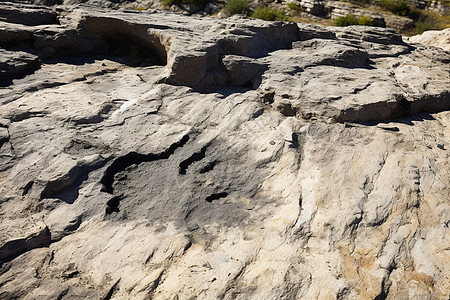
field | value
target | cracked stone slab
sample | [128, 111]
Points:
[153, 155]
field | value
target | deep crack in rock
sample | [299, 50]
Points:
[121, 163]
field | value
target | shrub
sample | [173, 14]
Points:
[365, 20]
[269, 14]
[352, 20]
[401, 8]
[234, 7]
[295, 7]
[431, 21]
[421, 27]
[346, 21]
[140, 8]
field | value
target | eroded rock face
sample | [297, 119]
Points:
[437, 38]
[152, 155]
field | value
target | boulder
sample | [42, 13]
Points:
[437, 38]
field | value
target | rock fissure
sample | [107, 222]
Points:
[66, 187]
[216, 196]
[197, 156]
[12, 249]
[133, 158]
[113, 204]
[4, 138]
[208, 167]
[111, 290]
[13, 151]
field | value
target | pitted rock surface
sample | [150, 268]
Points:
[154, 155]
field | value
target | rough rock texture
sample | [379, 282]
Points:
[434, 5]
[152, 155]
[437, 38]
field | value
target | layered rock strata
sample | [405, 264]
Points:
[152, 155]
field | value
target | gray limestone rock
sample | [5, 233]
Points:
[150, 155]
[15, 64]
[434, 38]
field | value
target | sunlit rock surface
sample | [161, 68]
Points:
[437, 38]
[156, 156]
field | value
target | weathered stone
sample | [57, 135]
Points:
[242, 71]
[14, 64]
[315, 7]
[434, 38]
[27, 14]
[39, 237]
[151, 155]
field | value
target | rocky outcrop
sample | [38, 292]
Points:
[315, 7]
[434, 5]
[437, 38]
[342, 9]
[153, 155]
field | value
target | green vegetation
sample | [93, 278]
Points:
[352, 20]
[234, 7]
[365, 20]
[421, 27]
[295, 7]
[423, 19]
[346, 21]
[139, 8]
[401, 8]
[269, 14]
[430, 20]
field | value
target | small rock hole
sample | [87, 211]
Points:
[216, 196]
